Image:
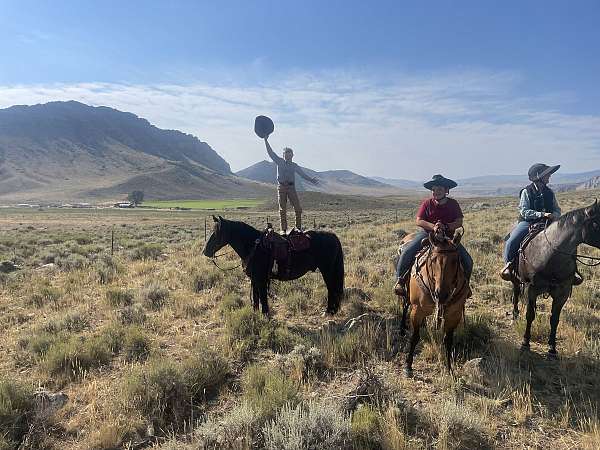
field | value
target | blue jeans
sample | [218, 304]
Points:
[410, 250]
[511, 247]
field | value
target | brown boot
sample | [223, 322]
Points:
[400, 288]
[506, 273]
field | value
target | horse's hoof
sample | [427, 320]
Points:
[328, 312]
[524, 347]
[408, 372]
[552, 354]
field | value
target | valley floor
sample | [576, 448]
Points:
[156, 347]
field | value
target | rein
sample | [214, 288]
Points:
[578, 257]
[214, 261]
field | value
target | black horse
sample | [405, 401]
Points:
[548, 264]
[325, 253]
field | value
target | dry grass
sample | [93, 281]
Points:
[156, 345]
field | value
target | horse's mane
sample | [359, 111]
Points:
[240, 228]
[567, 218]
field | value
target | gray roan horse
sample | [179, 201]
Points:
[548, 264]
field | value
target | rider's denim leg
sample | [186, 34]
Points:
[511, 247]
[466, 260]
[409, 252]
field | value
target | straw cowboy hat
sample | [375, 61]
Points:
[263, 126]
[440, 180]
[539, 171]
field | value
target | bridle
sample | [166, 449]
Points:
[576, 256]
[214, 261]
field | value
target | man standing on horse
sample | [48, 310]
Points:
[438, 214]
[286, 189]
[537, 203]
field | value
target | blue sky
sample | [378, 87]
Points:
[382, 88]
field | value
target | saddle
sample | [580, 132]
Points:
[281, 249]
[534, 229]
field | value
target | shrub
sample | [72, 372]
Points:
[136, 345]
[201, 281]
[134, 314]
[146, 251]
[236, 429]
[46, 295]
[250, 330]
[74, 358]
[107, 269]
[16, 407]
[267, 389]
[154, 295]
[309, 426]
[119, 297]
[302, 362]
[72, 262]
[353, 347]
[365, 427]
[74, 322]
[230, 302]
[167, 393]
[158, 393]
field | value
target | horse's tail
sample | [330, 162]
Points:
[338, 272]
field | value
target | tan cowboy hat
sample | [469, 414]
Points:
[440, 180]
[539, 171]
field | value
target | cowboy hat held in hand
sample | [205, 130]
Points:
[263, 126]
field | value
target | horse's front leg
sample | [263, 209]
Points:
[263, 294]
[416, 319]
[448, 340]
[405, 311]
[560, 296]
[530, 316]
[255, 295]
[515, 299]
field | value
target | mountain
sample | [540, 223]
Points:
[330, 181]
[70, 151]
[592, 183]
[404, 184]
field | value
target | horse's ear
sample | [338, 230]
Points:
[456, 239]
[215, 219]
[591, 211]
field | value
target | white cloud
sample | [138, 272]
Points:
[461, 124]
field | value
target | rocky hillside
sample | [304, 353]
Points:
[68, 150]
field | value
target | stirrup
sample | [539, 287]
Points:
[400, 288]
[506, 273]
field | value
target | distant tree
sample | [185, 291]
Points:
[136, 197]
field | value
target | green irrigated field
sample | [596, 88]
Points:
[205, 204]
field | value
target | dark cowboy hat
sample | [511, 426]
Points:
[263, 126]
[539, 170]
[440, 180]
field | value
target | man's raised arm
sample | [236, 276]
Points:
[276, 159]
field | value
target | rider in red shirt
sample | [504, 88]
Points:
[439, 213]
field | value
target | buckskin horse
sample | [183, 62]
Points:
[547, 265]
[437, 284]
[256, 250]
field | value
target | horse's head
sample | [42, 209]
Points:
[591, 225]
[218, 239]
[444, 266]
